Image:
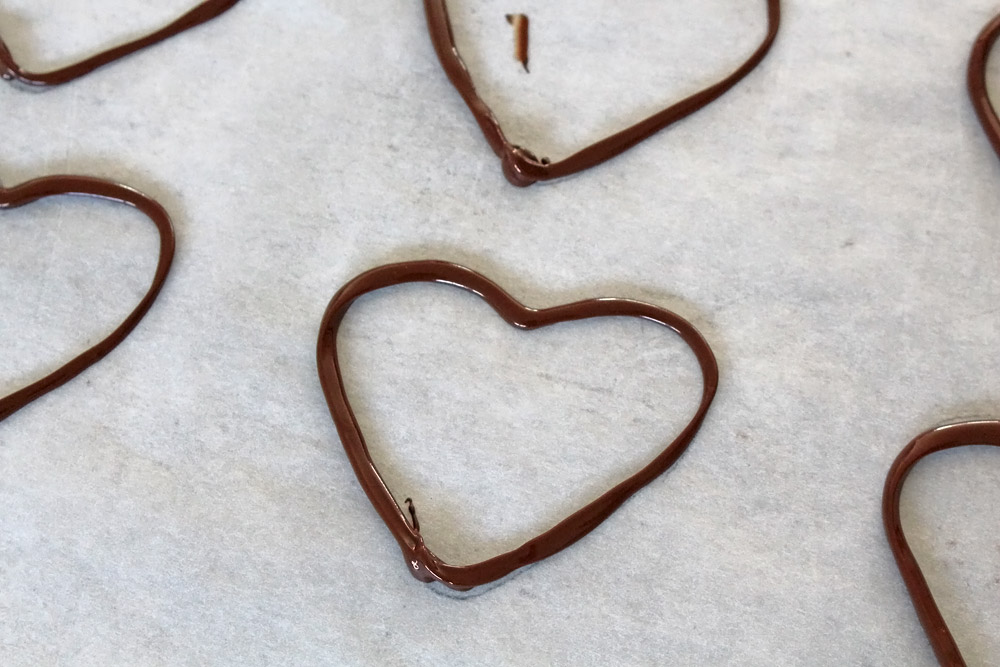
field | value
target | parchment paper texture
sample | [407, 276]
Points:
[830, 225]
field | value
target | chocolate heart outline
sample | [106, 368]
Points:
[520, 166]
[52, 186]
[961, 434]
[202, 13]
[421, 562]
[976, 79]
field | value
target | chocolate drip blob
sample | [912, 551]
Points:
[420, 561]
[206, 11]
[520, 166]
[52, 186]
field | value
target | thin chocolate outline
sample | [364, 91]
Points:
[421, 562]
[978, 93]
[202, 13]
[520, 166]
[944, 437]
[52, 186]
[963, 434]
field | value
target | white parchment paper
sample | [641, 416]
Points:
[830, 225]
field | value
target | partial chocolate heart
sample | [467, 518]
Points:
[520, 166]
[945, 437]
[420, 561]
[977, 82]
[939, 439]
[206, 11]
[52, 186]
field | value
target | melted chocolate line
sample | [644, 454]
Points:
[206, 11]
[52, 186]
[946, 437]
[421, 562]
[936, 440]
[977, 82]
[520, 166]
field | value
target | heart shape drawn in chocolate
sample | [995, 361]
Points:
[206, 11]
[945, 437]
[52, 186]
[936, 440]
[520, 166]
[420, 561]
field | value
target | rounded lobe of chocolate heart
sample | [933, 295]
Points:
[945, 437]
[939, 439]
[420, 561]
[519, 166]
[977, 82]
[52, 186]
[206, 11]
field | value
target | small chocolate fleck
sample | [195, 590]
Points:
[520, 24]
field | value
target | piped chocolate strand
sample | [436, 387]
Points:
[520, 166]
[52, 186]
[936, 440]
[977, 82]
[206, 11]
[945, 437]
[421, 562]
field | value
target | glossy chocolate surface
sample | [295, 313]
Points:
[52, 186]
[520, 166]
[206, 11]
[977, 82]
[421, 562]
[939, 439]
[945, 437]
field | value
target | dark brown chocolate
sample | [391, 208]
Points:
[945, 437]
[521, 25]
[520, 166]
[52, 186]
[206, 11]
[420, 561]
[939, 439]
[977, 82]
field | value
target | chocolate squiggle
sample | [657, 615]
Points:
[206, 11]
[945, 437]
[520, 166]
[421, 562]
[52, 186]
